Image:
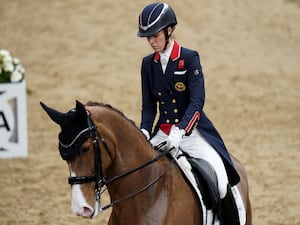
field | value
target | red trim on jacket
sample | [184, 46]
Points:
[175, 53]
[156, 57]
[190, 125]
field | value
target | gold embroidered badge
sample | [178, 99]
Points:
[180, 86]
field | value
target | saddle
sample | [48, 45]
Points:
[203, 179]
[207, 182]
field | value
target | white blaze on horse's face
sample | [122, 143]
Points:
[80, 206]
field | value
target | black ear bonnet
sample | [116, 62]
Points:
[74, 129]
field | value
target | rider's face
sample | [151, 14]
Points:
[157, 41]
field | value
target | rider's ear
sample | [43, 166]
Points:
[170, 30]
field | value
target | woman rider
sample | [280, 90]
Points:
[172, 78]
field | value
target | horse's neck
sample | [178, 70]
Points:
[155, 184]
[153, 190]
[146, 185]
[133, 151]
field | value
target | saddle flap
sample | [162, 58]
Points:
[207, 182]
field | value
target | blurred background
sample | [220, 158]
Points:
[88, 50]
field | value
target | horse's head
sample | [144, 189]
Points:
[79, 146]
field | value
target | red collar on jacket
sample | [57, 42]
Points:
[174, 54]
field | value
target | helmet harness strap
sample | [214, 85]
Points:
[167, 35]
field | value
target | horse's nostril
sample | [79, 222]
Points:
[87, 212]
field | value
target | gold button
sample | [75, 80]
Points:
[159, 93]
[176, 120]
[165, 112]
[162, 103]
[175, 110]
[173, 100]
[167, 121]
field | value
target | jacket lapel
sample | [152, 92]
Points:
[172, 64]
[166, 79]
[158, 73]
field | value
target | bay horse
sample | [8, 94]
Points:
[103, 148]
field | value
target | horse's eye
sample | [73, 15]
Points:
[84, 149]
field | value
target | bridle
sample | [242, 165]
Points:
[100, 179]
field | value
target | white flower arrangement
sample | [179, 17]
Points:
[11, 69]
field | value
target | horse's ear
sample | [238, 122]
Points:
[81, 112]
[56, 116]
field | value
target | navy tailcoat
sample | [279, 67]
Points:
[180, 95]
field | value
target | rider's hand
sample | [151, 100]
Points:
[174, 137]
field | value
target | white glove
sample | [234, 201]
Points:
[146, 133]
[174, 137]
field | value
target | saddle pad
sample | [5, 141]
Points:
[184, 165]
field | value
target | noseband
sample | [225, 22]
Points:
[100, 179]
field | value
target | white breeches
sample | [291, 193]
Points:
[196, 146]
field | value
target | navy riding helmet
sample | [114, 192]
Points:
[154, 18]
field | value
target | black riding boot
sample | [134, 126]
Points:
[229, 211]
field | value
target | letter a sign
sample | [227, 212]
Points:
[13, 120]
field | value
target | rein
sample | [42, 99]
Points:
[101, 180]
[140, 167]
